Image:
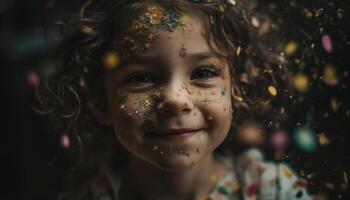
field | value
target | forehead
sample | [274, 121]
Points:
[189, 36]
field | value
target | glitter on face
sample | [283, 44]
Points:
[146, 28]
[183, 52]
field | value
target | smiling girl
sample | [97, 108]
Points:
[163, 77]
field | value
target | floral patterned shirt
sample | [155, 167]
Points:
[249, 177]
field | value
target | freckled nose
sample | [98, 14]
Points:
[175, 100]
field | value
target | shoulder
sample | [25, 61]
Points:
[264, 180]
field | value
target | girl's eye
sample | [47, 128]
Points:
[204, 73]
[140, 78]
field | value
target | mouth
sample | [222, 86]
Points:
[173, 134]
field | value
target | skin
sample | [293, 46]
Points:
[171, 91]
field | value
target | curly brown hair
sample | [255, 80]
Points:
[66, 95]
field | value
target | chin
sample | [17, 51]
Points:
[176, 163]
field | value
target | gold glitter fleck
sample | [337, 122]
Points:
[272, 90]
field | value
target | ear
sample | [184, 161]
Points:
[102, 116]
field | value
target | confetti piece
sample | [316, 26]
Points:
[183, 52]
[291, 48]
[33, 78]
[111, 60]
[327, 43]
[255, 22]
[232, 186]
[305, 139]
[287, 172]
[279, 140]
[82, 82]
[252, 189]
[272, 90]
[210, 116]
[238, 51]
[330, 75]
[65, 141]
[233, 2]
[222, 92]
[334, 104]
[323, 139]
[301, 82]
[300, 183]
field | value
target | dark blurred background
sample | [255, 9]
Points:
[315, 38]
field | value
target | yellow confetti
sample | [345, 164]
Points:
[323, 139]
[232, 186]
[238, 50]
[282, 110]
[210, 116]
[330, 75]
[301, 82]
[291, 48]
[111, 60]
[287, 172]
[272, 90]
[334, 104]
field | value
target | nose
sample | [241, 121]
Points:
[175, 99]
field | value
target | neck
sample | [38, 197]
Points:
[150, 182]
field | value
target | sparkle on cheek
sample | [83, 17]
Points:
[183, 52]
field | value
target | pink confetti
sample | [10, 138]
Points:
[65, 141]
[33, 78]
[82, 83]
[279, 140]
[327, 43]
[255, 22]
[252, 189]
[183, 52]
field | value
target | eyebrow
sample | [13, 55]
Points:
[192, 57]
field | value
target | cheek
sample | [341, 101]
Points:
[129, 113]
[216, 107]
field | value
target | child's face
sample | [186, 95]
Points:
[173, 106]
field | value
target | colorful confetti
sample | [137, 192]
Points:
[290, 48]
[301, 82]
[65, 141]
[272, 90]
[327, 43]
[111, 60]
[305, 139]
[33, 79]
[279, 140]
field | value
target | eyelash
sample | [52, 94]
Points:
[208, 68]
[136, 77]
[140, 75]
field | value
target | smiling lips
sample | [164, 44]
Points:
[174, 134]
